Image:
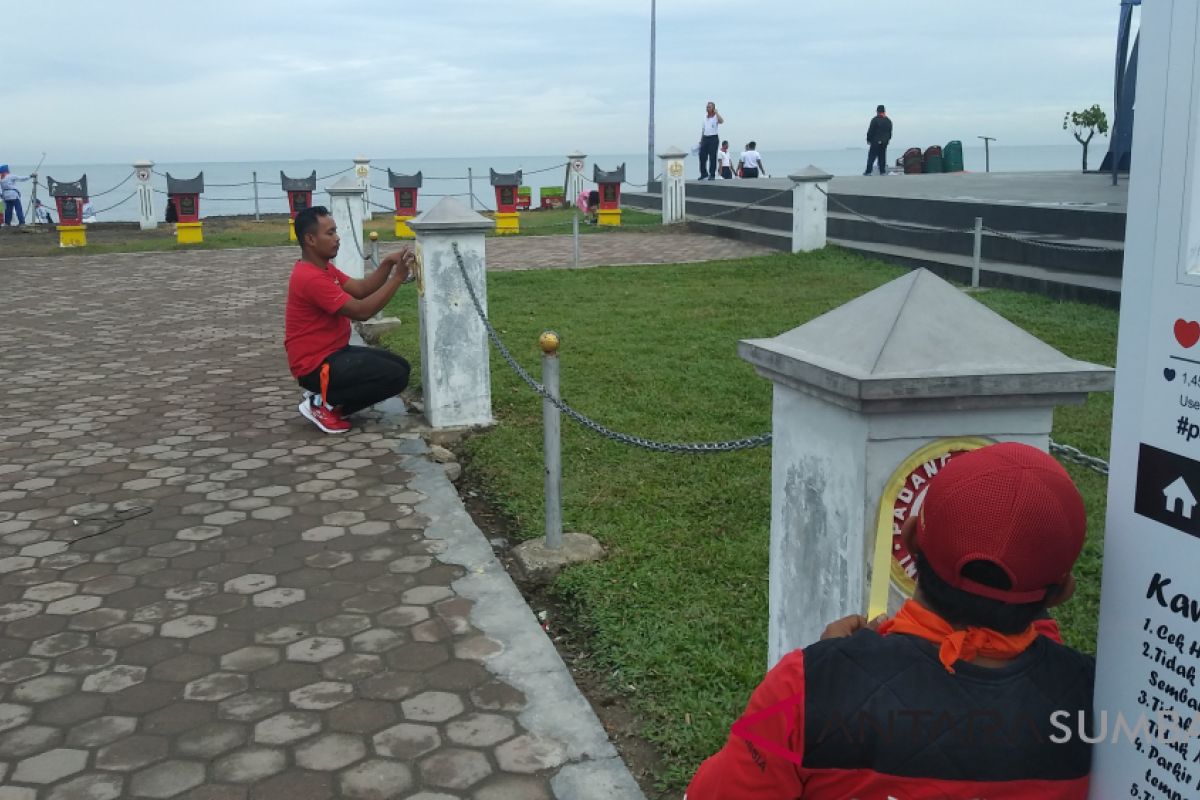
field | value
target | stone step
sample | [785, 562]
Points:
[1059, 284]
[1040, 250]
[742, 231]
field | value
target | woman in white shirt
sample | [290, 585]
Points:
[750, 163]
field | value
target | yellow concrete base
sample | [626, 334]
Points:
[610, 216]
[190, 233]
[291, 230]
[402, 229]
[508, 222]
[72, 235]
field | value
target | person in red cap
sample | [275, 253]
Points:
[953, 696]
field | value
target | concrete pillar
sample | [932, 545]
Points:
[575, 182]
[455, 372]
[810, 208]
[142, 170]
[345, 203]
[870, 400]
[674, 200]
[362, 173]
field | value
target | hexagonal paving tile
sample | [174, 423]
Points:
[249, 659]
[315, 649]
[216, 686]
[189, 626]
[167, 779]
[114, 678]
[50, 766]
[250, 583]
[278, 598]
[454, 768]
[376, 779]
[321, 695]
[250, 764]
[407, 741]
[432, 707]
[288, 727]
[331, 751]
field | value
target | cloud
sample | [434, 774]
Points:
[272, 80]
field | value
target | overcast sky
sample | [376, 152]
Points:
[259, 79]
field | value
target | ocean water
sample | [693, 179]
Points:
[229, 186]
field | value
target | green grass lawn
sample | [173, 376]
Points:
[677, 613]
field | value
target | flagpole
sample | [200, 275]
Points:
[650, 149]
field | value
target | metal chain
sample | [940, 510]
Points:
[747, 205]
[906, 228]
[113, 189]
[357, 239]
[932, 229]
[1077, 456]
[114, 205]
[334, 174]
[608, 433]
[1076, 248]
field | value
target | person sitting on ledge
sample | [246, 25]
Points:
[967, 691]
[338, 378]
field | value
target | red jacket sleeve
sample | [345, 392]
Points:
[762, 757]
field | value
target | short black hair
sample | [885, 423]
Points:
[879, 109]
[306, 221]
[963, 608]
[725, 143]
[753, 145]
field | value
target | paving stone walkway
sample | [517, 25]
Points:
[653, 246]
[201, 596]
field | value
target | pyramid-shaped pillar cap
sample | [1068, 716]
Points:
[919, 343]
[673, 152]
[345, 185]
[810, 174]
[450, 215]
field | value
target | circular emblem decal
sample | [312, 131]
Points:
[577, 166]
[361, 170]
[675, 168]
[143, 174]
[902, 497]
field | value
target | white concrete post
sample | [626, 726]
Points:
[810, 208]
[362, 173]
[145, 194]
[345, 203]
[575, 181]
[455, 372]
[870, 400]
[674, 200]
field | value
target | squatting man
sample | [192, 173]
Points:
[338, 378]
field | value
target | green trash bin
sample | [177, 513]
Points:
[952, 156]
[933, 160]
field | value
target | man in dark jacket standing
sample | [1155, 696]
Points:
[879, 133]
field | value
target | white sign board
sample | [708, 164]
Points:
[1149, 648]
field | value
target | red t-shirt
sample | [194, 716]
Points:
[312, 327]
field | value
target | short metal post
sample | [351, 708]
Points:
[978, 252]
[552, 440]
[471, 187]
[254, 180]
[575, 236]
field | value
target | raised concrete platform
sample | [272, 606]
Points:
[1059, 233]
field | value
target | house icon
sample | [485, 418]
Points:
[1180, 499]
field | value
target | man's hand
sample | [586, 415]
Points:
[847, 626]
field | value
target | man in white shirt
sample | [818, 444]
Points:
[750, 163]
[708, 142]
[12, 195]
[725, 160]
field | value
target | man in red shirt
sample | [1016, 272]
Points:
[955, 696]
[338, 378]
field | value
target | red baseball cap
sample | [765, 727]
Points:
[1010, 504]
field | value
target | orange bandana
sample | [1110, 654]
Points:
[916, 620]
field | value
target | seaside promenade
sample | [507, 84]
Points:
[201, 596]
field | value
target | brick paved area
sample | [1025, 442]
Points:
[201, 596]
[653, 246]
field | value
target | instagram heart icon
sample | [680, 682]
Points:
[1187, 333]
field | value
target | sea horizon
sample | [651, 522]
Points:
[229, 186]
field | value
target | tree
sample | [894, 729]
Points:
[1090, 121]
